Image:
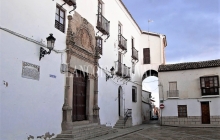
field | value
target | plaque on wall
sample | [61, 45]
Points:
[30, 71]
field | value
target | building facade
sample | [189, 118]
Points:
[74, 81]
[190, 93]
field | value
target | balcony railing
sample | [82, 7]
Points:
[122, 42]
[209, 91]
[173, 94]
[126, 72]
[103, 24]
[59, 26]
[122, 70]
[128, 113]
[134, 53]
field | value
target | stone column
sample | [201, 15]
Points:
[96, 107]
[67, 109]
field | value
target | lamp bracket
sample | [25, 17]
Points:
[108, 77]
[43, 52]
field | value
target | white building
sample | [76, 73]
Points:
[37, 97]
[190, 93]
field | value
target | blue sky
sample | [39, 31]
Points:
[192, 27]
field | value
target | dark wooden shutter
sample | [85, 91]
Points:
[146, 55]
[133, 95]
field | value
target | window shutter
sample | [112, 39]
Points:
[133, 95]
[173, 86]
[146, 52]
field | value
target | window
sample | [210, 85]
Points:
[134, 94]
[103, 25]
[99, 7]
[99, 44]
[146, 55]
[134, 51]
[119, 29]
[182, 111]
[60, 19]
[172, 86]
[209, 85]
[133, 67]
[132, 42]
[173, 92]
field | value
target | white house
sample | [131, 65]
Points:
[71, 82]
[190, 93]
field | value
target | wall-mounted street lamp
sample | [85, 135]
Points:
[50, 46]
[112, 74]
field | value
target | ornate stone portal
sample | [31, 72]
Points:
[81, 55]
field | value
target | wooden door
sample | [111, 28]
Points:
[79, 96]
[146, 54]
[205, 113]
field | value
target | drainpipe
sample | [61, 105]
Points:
[161, 89]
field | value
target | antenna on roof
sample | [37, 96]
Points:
[149, 20]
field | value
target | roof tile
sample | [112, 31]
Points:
[189, 65]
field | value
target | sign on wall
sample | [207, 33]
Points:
[30, 71]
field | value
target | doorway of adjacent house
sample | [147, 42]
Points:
[79, 96]
[120, 102]
[205, 113]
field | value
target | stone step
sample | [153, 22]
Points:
[91, 131]
[85, 136]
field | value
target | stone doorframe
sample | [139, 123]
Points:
[81, 55]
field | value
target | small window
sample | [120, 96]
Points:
[146, 52]
[60, 19]
[133, 67]
[134, 94]
[99, 44]
[182, 111]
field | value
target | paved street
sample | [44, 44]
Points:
[156, 132]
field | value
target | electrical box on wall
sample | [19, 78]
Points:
[63, 68]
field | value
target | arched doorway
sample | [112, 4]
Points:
[150, 94]
[120, 102]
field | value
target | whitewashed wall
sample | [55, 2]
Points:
[188, 84]
[30, 107]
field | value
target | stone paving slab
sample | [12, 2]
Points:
[120, 133]
[155, 132]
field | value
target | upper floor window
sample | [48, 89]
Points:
[209, 85]
[119, 29]
[182, 111]
[173, 92]
[146, 54]
[134, 94]
[133, 67]
[122, 41]
[60, 19]
[134, 54]
[103, 25]
[99, 7]
[99, 44]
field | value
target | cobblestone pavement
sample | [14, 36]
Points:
[156, 132]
